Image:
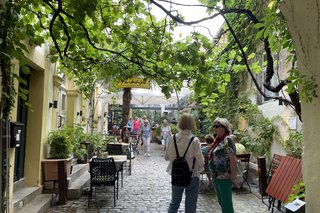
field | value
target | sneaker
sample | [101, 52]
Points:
[149, 155]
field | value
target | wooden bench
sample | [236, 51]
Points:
[265, 176]
[284, 177]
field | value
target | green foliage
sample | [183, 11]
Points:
[174, 129]
[96, 141]
[68, 140]
[260, 133]
[293, 145]
[307, 85]
[298, 191]
[13, 34]
[60, 145]
[108, 139]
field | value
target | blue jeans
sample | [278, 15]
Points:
[191, 196]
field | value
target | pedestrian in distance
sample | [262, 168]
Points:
[146, 137]
[165, 134]
[205, 150]
[195, 162]
[136, 128]
[174, 121]
[129, 124]
[222, 156]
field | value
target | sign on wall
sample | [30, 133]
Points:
[135, 82]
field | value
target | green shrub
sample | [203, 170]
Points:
[60, 146]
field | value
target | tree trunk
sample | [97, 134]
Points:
[303, 22]
[126, 99]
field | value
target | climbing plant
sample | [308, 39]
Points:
[293, 145]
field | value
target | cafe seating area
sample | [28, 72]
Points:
[103, 173]
[107, 168]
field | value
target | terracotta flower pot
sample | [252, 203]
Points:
[50, 168]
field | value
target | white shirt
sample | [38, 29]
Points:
[194, 151]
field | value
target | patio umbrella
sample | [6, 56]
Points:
[146, 97]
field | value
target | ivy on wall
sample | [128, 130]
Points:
[293, 145]
[260, 132]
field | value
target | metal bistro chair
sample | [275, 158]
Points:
[103, 173]
[116, 149]
[135, 143]
[245, 160]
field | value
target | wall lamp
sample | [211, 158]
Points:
[54, 104]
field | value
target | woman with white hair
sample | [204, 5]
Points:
[222, 157]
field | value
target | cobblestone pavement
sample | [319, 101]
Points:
[148, 189]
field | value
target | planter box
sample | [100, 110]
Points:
[50, 168]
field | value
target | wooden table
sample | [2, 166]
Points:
[119, 160]
[284, 178]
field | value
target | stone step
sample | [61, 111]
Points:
[22, 196]
[38, 205]
[30, 199]
[75, 189]
[77, 171]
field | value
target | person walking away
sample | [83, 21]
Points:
[146, 137]
[136, 130]
[174, 121]
[222, 162]
[205, 150]
[195, 161]
[165, 134]
[129, 125]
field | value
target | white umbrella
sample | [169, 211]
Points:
[146, 97]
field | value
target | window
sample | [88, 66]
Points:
[261, 77]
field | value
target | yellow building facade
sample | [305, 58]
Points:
[54, 102]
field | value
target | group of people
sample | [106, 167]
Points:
[217, 158]
[221, 162]
[141, 129]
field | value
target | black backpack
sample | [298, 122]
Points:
[181, 174]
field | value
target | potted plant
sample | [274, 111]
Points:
[60, 150]
[97, 144]
[80, 145]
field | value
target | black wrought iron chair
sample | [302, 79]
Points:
[135, 143]
[103, 173]
[245, 160]
[116, 149]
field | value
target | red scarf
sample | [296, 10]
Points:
[216, 142]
